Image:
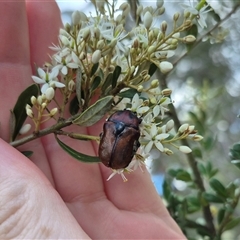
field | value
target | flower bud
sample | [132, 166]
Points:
[168, 151]
[25, 128]
[33, 100]
[29, 112]
[96, 56]
[39, 99]
[100, 44]
[164, 26]
[165, 67]
[140, 88]
[86, 33]
[189, 39]
[185, 149]
[160, 3]
[64, 41]
[169, 125]
[71, 85]
[166, 92]
[43, 105]
[76, 17]
[53, 112]
[176, 16]
[197, 138]
[147, 20]
[151, 49]
[50, 93]
[154, 83]
[183, 127]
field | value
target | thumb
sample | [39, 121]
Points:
[30, 207]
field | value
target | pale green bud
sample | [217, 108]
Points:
[147, 20]
[154, 83]
[50, 93]
[76, 17]
[165, 66]
[183, 127]
[25, 128]
[96, 56]
[189, 39]
[185, 149]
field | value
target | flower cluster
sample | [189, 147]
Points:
[97, 56]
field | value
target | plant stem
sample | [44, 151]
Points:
[61, 124]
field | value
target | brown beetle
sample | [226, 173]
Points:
[119, 140]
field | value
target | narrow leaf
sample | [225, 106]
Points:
[74, 106]
[212, 198]
[19, 111]
[128, 93]
[95, 112]
[116, 74]
[27, 153]
[94, 69]
[221, 214]
[77, 155]
[95, 83]
[152, 69]
[218, 187]
[232, 223]
[107, 82]
[78, 85]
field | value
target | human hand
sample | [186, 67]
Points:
[55, 196]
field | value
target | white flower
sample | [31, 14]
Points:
[70, 61]
[153, 139]
[48, 79]
[137, 105]
[199, 14]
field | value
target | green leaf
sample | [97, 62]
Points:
[128, 93]
[202, 169]
[236, 163]
[212, 198]
[74, 106]
[235, 152]
[218, 187]
[78, 85]
[197, 152]
[152, 69]
[95, 112]
[95, 83]
[232, 223]
[107, 82]
[116, 74]
[184, 176]
[94, 69]
[221, 214]
[27, 153]
[19, 111]
[77, 155]
[166, 190]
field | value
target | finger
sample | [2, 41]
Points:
[27, 201]
[44, 22]
[14, 58]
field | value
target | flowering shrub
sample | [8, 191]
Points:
[96, 57]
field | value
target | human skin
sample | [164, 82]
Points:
[53, 196]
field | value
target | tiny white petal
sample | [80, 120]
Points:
[148, 147]
[159, 146]
[59, 84]
[41, 73]
[38, 80]
[44, 87]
